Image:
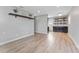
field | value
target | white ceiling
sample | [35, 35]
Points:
[50, 10]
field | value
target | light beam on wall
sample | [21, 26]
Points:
[69, 18]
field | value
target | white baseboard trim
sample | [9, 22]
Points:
[41, 33]
[16, 39]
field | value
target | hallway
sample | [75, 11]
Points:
[42, 43]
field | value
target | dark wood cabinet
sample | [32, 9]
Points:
[60, 29]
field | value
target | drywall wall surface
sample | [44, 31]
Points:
[12, 27]
[41, 23]
[74, 24]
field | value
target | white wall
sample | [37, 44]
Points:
[41, 23]
[50, 21]
[11, 27]
[50, 24]
[74, 24]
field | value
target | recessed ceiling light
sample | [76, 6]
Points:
[38, 11]
[59, 14]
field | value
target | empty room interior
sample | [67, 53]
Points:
[39, 29]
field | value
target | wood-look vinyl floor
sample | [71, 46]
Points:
[54, 42]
